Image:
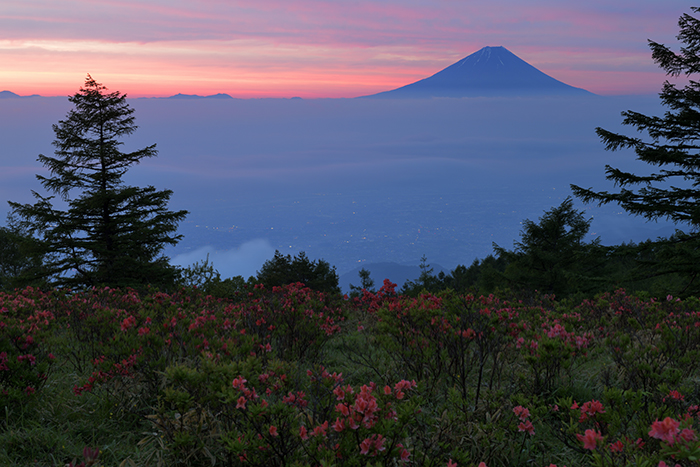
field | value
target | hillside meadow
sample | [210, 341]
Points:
[292, 377]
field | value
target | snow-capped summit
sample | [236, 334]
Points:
[491, 71]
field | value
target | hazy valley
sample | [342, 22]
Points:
[353, 181]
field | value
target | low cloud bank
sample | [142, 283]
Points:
[244, 261]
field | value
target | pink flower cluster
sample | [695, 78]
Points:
[669, 430]
[297, 399]
[579, 342]
[400, 387]
[128, 323]
[588, 409]
[248, 394]
[675, 395]
[31, 359]
[372, 445]
[320, 430]
[525, 425]
[123, 368]
[360, 412]
[590, 438]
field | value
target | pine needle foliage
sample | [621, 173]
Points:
[315, 274]
[672, 149]
[109, 233]
[553, 256]
[672, 191]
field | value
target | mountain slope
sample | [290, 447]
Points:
[491, 71]
[12, 95]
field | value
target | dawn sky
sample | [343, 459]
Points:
[321, 48]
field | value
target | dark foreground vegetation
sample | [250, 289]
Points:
[290, 376]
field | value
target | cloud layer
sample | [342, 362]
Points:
[353, 181]
[244, 260]
[321, 48]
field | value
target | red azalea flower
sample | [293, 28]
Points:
[589, 409]
[616, 446]
[688, 435]
[590, 438]
[339, 425]
[365, 445]
[521, 412]
[241, 402]
[665, 430]
[527, 427]
[321, 429]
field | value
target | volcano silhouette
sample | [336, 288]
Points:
[491, 71]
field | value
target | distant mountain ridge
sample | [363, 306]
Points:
[195, 96]
[178, 96]
[12, 95]
[489, 72]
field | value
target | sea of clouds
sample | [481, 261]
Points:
[354, 181]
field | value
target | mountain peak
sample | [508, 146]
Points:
[12, 95]
[486, 52]
[490, 71]
[8, 94]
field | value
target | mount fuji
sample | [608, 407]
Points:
[489, 72]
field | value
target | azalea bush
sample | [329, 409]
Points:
[291, 376]
[25, 353]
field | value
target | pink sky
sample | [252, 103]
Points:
[321, 48]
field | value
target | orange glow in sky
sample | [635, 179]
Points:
[321, 48]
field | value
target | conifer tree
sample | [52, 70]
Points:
[282, 270]
[366, 283]
[109, 233]
[672, 191]
[672, 149]
[17, 265]
[553, 256]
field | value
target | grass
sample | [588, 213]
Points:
[53, 429]
[134, 421]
